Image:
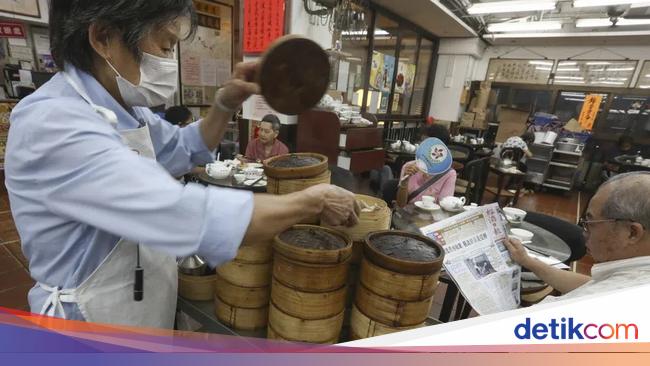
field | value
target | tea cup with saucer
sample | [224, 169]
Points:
[452, 204]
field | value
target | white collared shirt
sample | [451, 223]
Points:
[611, 276]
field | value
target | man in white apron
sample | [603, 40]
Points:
[89, 170]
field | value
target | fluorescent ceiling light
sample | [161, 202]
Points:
[543, 63]
[567, 63]
[574, 99]
[605, 22]
[598, 63]
[647, 76]
[570, 77]
[541, 68]
[524, 26]
[621, 69]
[566, 69]
[569, 82]
[497, 7]
[644, 86]
[610, 82]
[594, 3]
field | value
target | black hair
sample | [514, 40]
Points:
[528, 137]
[177, 115]
[70, 20]
[435, 130]
[273, 120]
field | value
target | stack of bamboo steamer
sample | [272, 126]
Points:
[309, 288]
[196, 288]
[375, 215]
[243, 287]
[285, 180]
[394, 294]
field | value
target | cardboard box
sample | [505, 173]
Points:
[512, 122]
[481, 116]
[467, 119]
[481, 123]
[486, 84]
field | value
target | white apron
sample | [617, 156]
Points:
[107, 295]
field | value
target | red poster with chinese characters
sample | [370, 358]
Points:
[12, 30]
[263, 23]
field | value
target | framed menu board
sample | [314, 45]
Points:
[524, 71]
[206, 59]
[602, 73]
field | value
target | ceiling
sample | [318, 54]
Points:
[567, 15]
[431, 15]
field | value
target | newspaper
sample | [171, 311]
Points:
[477, 260]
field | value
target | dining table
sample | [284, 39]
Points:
[229, 182]
[411, 219]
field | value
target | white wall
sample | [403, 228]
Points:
[42, 20]
[300, 25]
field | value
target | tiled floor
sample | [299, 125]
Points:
[15, 281]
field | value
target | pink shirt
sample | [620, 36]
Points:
[444, 187]
[255, 150]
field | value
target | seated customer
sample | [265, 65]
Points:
[179, 116]
[617, 227]
[625, 146]
[414, 183]
[267, 144]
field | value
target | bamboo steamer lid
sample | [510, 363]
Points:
[294, 74]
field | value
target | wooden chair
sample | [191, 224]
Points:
[471, 183]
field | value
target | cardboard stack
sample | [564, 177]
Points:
[477, 117]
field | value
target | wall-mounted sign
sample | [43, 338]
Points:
[12, 30]
[590, 111]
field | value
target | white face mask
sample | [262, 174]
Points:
[158, 82]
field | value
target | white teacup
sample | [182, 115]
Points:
[428, 201]
[514, 214]
[218, 170]
[240, 178]
[253, 173]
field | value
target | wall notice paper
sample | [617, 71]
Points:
[191, 70]
[208, 71]
[256, 108]
[344, 74]
[590, 111]
[42, 43]
[477, 260]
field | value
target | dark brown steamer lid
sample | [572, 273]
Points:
[294, 74]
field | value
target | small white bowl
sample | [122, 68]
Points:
[240, 178]
[521, 234]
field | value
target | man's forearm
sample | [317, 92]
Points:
[563, 281]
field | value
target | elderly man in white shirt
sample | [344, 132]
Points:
[616, 226]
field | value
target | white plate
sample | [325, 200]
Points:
[470, 208]
[420, 205]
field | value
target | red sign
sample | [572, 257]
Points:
[263, 23]
[12, 30]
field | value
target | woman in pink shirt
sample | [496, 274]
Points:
[267, 144]
[443, 187]
[415, 183]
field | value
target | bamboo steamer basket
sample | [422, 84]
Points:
[271, 334]
[377, 220]
[246, 274]
[394, 313]
[255, 253]
[315, 256]
[397, 286]
[196, 288]
[241, 318]
[307, 305]
[309, 277]
[362, 326]
[287, 327]
[290, 185]
[242, 297]
[403, 266]
[303, 172]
